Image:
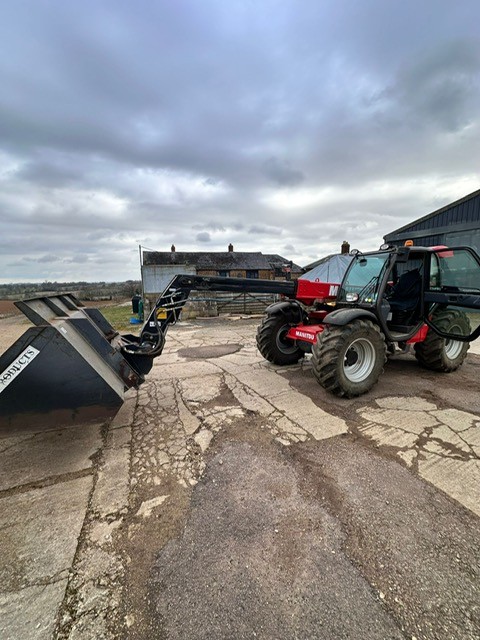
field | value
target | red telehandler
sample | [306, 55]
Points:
[72, 361]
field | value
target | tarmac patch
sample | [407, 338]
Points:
[213, 351]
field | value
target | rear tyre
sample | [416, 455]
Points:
[348, 360]
[440, 354]
[272, 343]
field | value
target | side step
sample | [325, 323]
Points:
[68, 368]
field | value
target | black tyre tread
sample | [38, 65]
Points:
[431, 352]
[327, 356]
[267, 342]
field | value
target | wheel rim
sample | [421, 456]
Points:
[284, 346]
[453, 348]
[359, 360]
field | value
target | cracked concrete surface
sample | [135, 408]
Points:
[86, 510]
[40, 524]
[442, 444]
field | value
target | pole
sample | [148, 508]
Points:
[141, 271]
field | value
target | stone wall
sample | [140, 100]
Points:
[263, 274]
[206, 304]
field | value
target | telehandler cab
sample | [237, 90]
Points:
[72, 362]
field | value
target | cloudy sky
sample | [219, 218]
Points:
[282, 126]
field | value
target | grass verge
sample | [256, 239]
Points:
[119, 317]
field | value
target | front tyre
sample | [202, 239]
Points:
[441, 354]
[348, 360]
[273, 344]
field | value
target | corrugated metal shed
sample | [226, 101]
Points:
[455, 224]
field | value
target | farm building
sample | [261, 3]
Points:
[159, 267]
[455, 224]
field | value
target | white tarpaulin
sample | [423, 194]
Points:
[331, 269]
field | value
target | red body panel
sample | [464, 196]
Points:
[318, 314]
[443, 254]
[308, 333]
[305, 332]
[420, 335]
[308, 292]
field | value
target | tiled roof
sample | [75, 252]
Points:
[278, 261]
[224, 260]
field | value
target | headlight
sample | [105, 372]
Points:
[351, 297]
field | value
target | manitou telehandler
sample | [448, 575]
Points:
[74, 362]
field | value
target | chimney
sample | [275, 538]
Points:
[230, 248]
[172, 248]
[345, 248]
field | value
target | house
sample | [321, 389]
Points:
[159, 267]
[282, 267]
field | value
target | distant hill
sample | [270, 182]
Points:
[83, 290]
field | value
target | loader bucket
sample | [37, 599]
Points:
[68, 368]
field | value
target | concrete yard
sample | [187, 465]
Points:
[233, 499]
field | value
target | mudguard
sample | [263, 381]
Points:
[341, 317]
[291, 309]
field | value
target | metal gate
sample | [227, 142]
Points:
[246, 303]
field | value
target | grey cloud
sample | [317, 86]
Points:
[280, 172]
[213, 226]
[186, 122]
[45, 259]
[48, 258]
[442, 88]
[99, 235]
[78, 259]
[49, 174]
[264, 230]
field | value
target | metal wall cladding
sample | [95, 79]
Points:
[157, 277]
[423, 241]
[456, 214]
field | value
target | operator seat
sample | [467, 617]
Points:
[405, 296]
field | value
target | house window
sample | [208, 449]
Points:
[224, 274]
[252, 273]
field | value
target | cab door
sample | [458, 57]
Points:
[453, 285]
